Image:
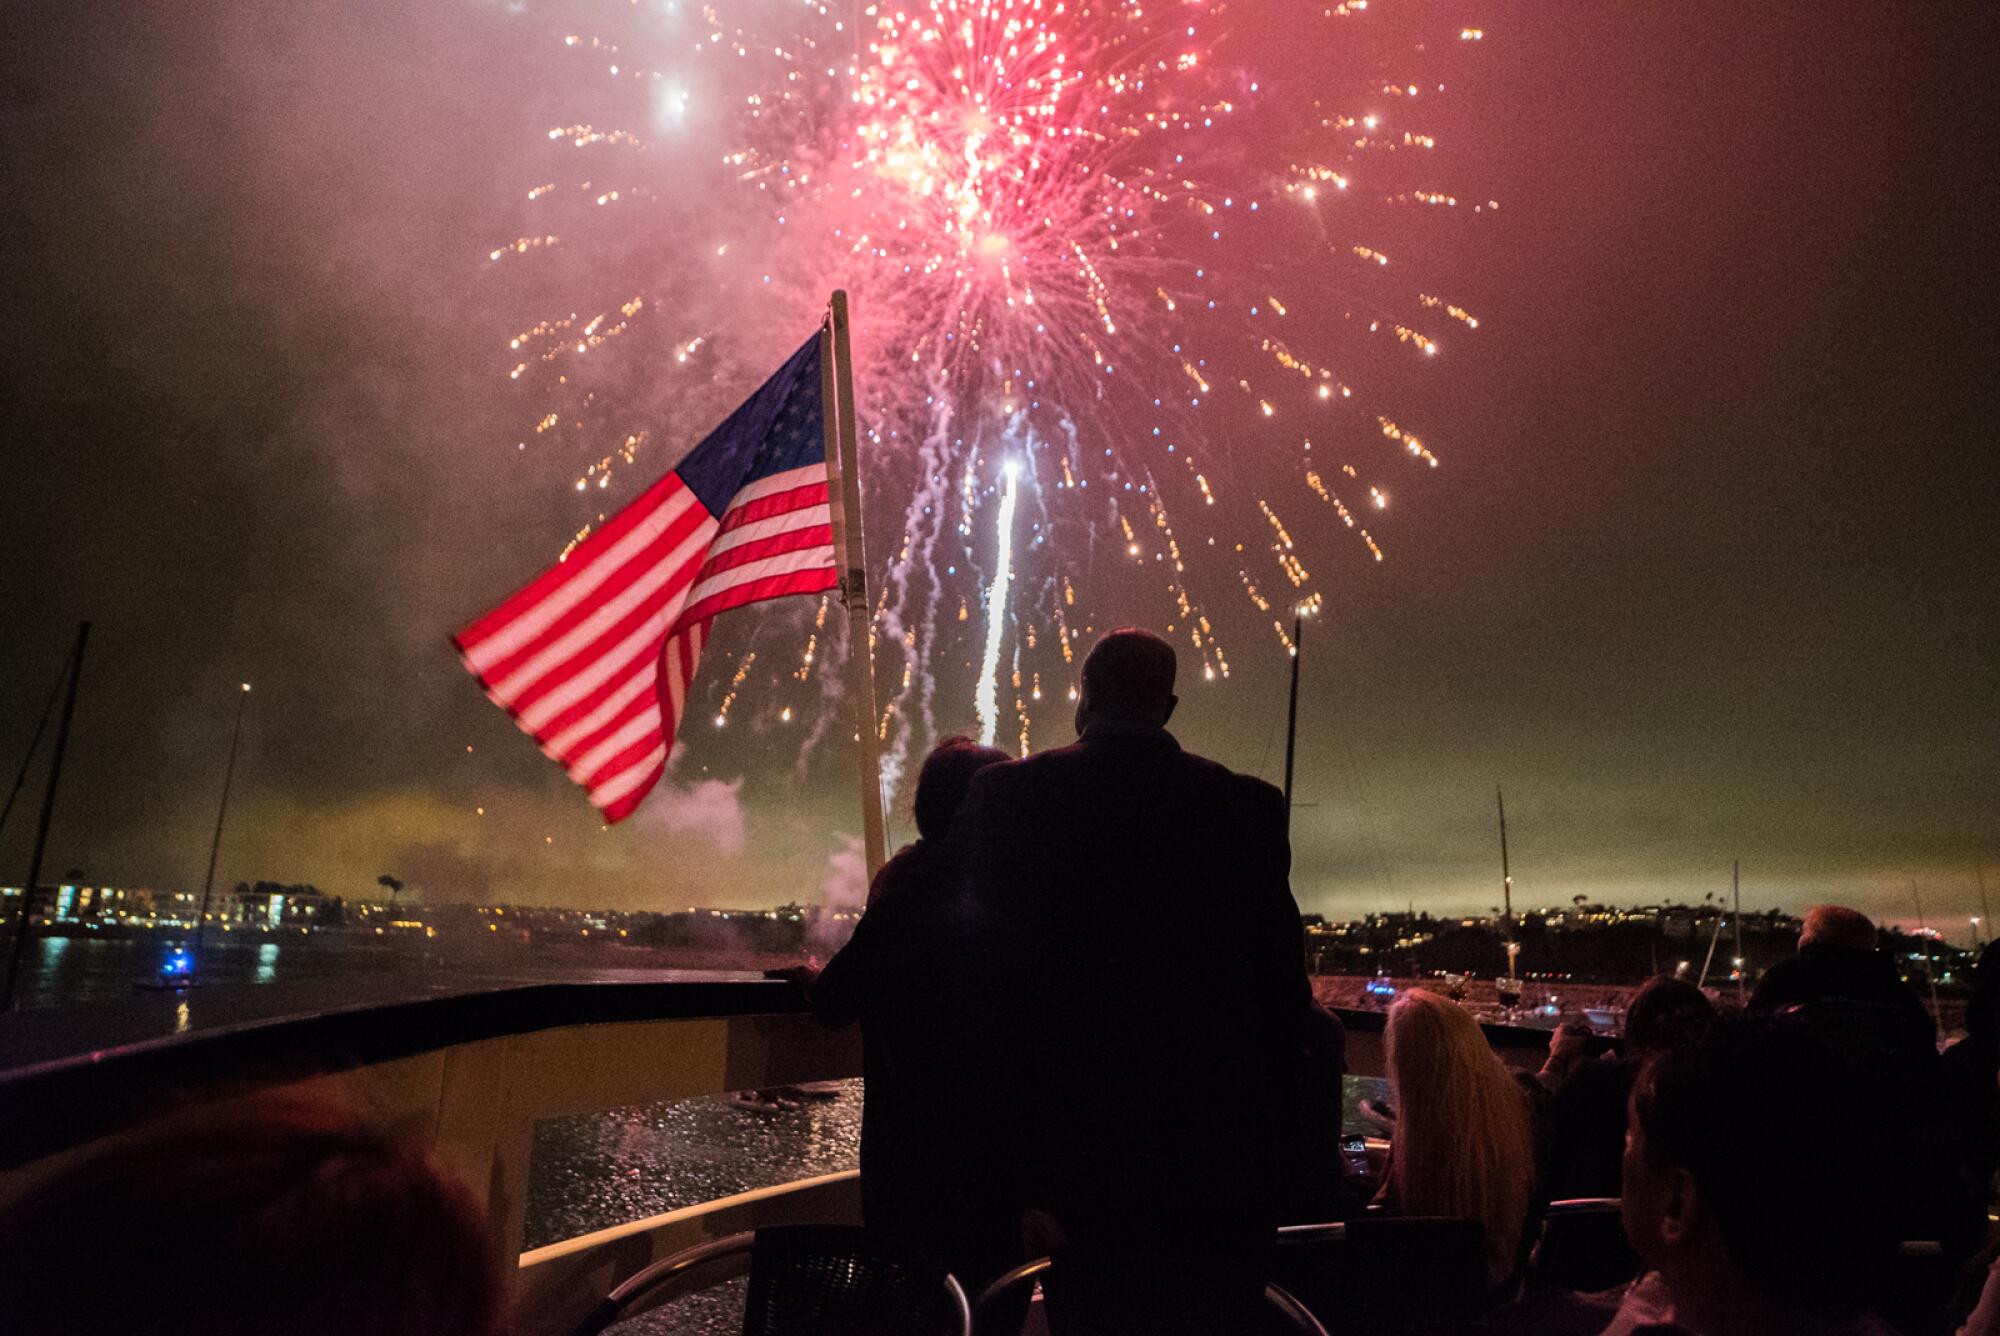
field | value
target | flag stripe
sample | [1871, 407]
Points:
[632, 581]
[562, 585]
[638, 720]
[617, 797]
[561, 730]
[809, 580]
[818, 535]
[647, 595]
[556, 695]
[782, 564]
[618, 787]
[583, 726]
[773, 484]
[777, 503]
[803, 517]
[636, 751]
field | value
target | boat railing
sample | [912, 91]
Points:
[466, 1073]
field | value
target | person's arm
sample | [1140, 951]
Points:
[1915, 1017]
[840, 994]
[1985, 1318]
[1568, 1049]
[1277, 937]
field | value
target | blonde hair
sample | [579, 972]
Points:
[1463, 1145]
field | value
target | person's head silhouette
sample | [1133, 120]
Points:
[1128, 678]
[945, 778]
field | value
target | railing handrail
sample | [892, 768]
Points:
[597, 1238]
[466, 1070]
[53, 1096]
[60, 1071]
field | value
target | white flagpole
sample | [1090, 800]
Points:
[836, 380]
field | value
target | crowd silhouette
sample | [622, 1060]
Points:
[1088, 1035]
[1150, 1138]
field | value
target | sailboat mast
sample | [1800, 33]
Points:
[25, 926]
[1506, 877]
[1979, 869]
[1736, 908]
[1930, 966]
[221, 811]
[1709, 959]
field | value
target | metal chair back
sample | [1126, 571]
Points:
[804, 1280]
[1583, 1247]
[1384, 1273]
[1003, 1297]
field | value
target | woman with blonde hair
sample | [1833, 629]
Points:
[1464, 1140]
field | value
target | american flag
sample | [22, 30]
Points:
[593, 657]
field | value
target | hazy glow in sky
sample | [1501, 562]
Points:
[1706, 573]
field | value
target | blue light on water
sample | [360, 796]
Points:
[179, 964]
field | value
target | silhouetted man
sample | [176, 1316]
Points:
[1143, 974]
[1849, 993]
[1838, 961]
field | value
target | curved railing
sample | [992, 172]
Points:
[465, 1071]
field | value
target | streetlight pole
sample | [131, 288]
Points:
[1292, 712]
[221, 811]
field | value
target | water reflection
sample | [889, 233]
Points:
[64, 970]
[593, 1171]
[597, 1170]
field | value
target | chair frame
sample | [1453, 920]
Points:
[1275, 1295]
[1585, 1206]
[660, 1283]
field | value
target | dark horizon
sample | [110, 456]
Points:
[1707, 572]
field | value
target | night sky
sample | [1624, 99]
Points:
[1709, 571]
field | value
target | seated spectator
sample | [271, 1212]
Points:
[921, 1159]
[1464, 1144]
[1837, 960]
[1971, 1070]
[1849, 993]
[244, 1219]
[1587, 1110]
[1984, 1318]
[1750, 1191]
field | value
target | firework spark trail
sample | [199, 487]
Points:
[1029, 201]
[987, 695]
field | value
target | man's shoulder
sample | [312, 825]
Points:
[1008, 775]
[904, 874]
[1782, 980]
[1247, 790]
[1023, 780]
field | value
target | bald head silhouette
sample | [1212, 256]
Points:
[1128, 678]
